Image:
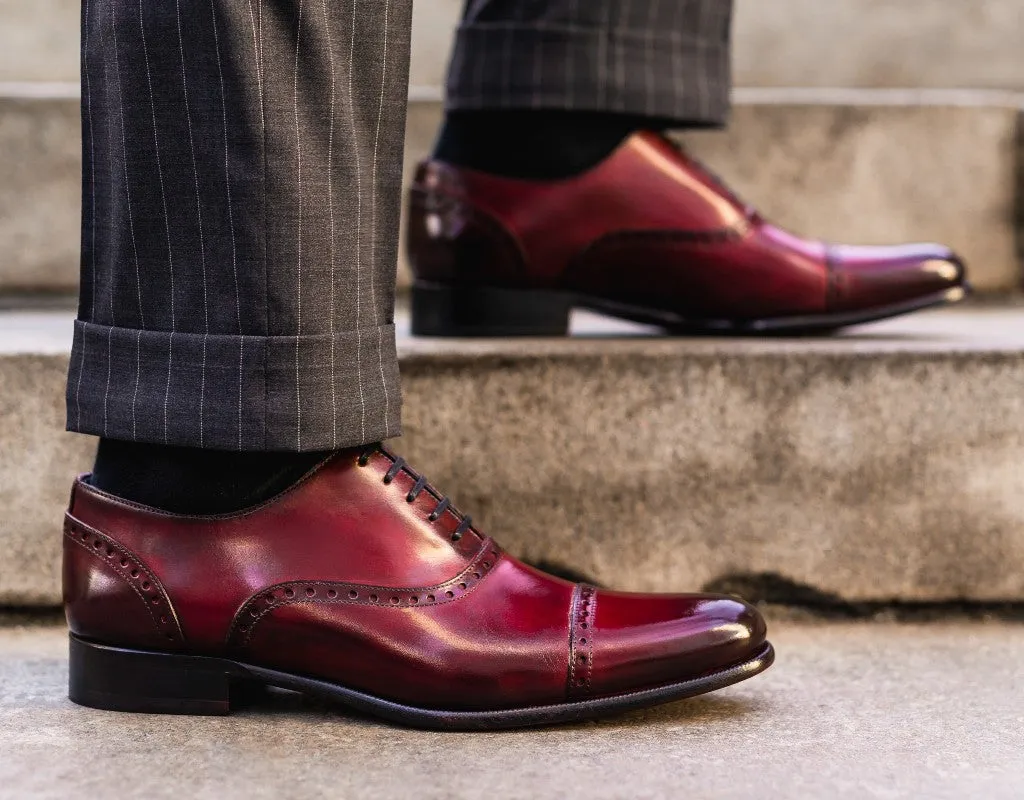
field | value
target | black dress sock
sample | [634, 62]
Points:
[536, 144]
[184, 480]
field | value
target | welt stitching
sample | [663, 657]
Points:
[118, 570]
[343, 599]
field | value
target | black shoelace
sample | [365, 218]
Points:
[399, 465]
[714, 177]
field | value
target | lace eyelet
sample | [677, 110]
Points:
[387, 480]
[432, 518]
[362, 461]
[410, 499]
[456, 537]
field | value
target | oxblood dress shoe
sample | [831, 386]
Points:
[364, 585]
[647, 235]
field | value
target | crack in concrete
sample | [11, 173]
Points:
[787, 597]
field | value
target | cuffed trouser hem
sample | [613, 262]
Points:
[669, 75]
[287, 393]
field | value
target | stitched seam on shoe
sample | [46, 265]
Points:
[70, 523]
[506, 239]
[832, 285]
[731, 233]
[573, 608]
[345, 601]
[245, 626]
[581, 652]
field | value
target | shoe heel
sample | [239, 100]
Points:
[439, 310]
[117, 679]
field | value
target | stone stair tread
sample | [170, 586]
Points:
[873, 153]
[952, 331]
[882, 464]
[970, 328]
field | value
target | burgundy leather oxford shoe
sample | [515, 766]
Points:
[362, 584]
[647, 235]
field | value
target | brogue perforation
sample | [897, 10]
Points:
[270, 598]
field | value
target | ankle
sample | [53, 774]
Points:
[535, 144]
[185, 480]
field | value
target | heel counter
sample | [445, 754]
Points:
[110, 595]
[449, 240]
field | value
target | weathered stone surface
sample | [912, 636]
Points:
[873, 168]
[868, 468]
[39, 40]
[881, 465]
[433, 24]
[40, 202]
[878, 43]
[848, 711]
[36, 457]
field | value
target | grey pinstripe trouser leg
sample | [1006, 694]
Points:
[241, 190]
[241, 193]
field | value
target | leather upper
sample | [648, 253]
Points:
[342, 579]
[650, 227]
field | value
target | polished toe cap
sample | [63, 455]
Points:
[641, 641]
[865, 278]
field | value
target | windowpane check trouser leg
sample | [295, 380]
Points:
[241, 191]
[661, 58]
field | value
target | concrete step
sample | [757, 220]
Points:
[846, 43]
[880, 166]
[876, 43]
[860, 166]
[880, 465]
[848, 711]
[39, 40]
[40, 180]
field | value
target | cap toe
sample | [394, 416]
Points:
[641, 641]
[863, 278]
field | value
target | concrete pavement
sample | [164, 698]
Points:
[850, 710]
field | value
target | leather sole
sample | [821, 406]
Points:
[468, 311]
[121, 679]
